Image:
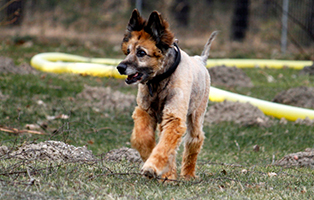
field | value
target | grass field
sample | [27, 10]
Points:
[228, 168]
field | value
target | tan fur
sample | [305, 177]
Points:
[143, 137]
[190, 89]
[177, 106]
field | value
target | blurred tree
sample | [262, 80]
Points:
[267, 7]
[14, 11]
[310, 19]
[240, 20]
[181, 11]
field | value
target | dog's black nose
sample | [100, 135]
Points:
[121, 68]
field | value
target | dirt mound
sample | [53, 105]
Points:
[50, 151]
[101, 98]
[123, 153]
[301, 159]
[244, 114]
[229, 77]
[307, 121]
[299, 96]
[308, 70]
[7, 66]
[59, 151]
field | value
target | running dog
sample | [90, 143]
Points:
[173, 91]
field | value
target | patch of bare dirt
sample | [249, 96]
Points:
[123, 153]
[7, 66]
[299, 159]
[50, 151]
[307, 70]
[244, 114]
[299, 96]
[229, 77]
[104, 98]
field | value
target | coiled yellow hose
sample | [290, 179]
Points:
[104, 67]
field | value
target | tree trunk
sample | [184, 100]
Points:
[15, 12]
[181, 10]
[310, 20]
[240, 20]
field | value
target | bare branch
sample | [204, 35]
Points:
[17, 131]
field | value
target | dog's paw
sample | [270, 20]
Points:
[149, 171]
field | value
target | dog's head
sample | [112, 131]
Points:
[145, 44]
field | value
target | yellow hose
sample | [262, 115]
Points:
[268, 108]
[53, 62]
[39, 61]
[261, 63]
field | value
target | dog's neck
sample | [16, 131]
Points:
[173, 59]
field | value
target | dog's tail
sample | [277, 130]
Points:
[205, 52]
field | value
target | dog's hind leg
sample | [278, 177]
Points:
[143, 135]
[193, 142]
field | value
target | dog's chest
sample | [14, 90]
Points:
[156, 107]
[155, 104]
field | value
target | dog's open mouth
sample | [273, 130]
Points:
[134, 78]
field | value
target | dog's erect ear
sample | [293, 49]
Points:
[136, 22]
[157, 27]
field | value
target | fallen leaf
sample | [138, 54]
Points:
[90, 142]
[62, 116]
[244, 171]
[271, 174]
[41, 102]
[256, 148]
[32, 126]
[50, 117]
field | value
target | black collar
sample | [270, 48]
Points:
[168, 73]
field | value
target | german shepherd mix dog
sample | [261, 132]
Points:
[172, 94]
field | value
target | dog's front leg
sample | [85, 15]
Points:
[143, 136]
[162, 158]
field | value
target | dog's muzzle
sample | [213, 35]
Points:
[132, 78]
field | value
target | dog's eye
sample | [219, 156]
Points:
[127, 51]
[140, 53]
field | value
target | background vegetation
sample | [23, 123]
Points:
[90, 22]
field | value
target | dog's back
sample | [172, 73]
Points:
[193, 78]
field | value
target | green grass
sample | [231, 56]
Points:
[23, 53]
[283, 79]
[227, 151]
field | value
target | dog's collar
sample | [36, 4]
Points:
[168, 73]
